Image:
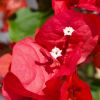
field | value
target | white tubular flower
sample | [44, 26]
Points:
[68, 31]
[56, 52]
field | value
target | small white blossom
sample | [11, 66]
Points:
[68, 31]
[56, 52]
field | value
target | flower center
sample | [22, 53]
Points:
[56, 52]
[68, 31]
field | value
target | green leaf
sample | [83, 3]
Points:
[96, 94]
[25, 24]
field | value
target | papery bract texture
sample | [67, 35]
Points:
[53, 88]
[30, 69]
[67, 88]
[59, 6]
[92, 5]
[14, 90]
[69, 65]
[32, 75]
[74, 88]
[51, 33]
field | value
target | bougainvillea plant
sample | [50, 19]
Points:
[7, 9]
[46, 67]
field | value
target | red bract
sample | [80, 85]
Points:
[51, 34]
[53, 88]
[31, 65]
[75, 89]
[63, 5]
[59, 6]
[92, 5]
[94, 23]
[57, 88]
[14, 90]
[71, 3]
[67, 88]
[52, 31]
[70, 62]
[31, 68]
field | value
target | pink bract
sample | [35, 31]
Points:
[24, 66]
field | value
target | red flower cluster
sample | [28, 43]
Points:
[45, 68]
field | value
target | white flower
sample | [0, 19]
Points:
[56, 52]
[68, 31]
